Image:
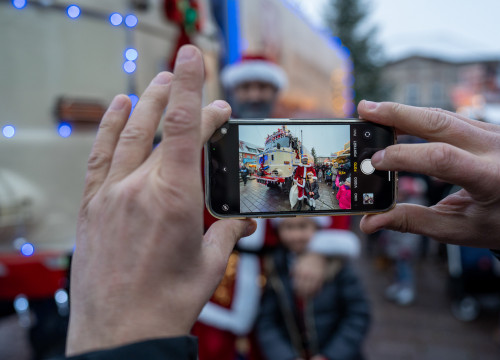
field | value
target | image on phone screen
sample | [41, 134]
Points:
[311, 164]
[280, 167]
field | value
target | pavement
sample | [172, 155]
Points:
[256, 197]
[425, 330]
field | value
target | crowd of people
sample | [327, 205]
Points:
[339, 178]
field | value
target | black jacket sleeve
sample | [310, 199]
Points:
[178, 348]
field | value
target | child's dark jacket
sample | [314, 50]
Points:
[336, 319]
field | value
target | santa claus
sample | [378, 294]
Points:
[300, 177]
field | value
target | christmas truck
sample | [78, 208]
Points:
[278, 161]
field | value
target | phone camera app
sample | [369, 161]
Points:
[368, 199]
[225, 207]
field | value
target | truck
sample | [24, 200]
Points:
[278, 161]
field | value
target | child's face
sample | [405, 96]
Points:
[296, 233]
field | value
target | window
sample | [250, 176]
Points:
[437, 94]
[412, 94]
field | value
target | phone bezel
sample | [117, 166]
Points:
[292, 121]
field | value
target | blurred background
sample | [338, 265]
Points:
[61, 63]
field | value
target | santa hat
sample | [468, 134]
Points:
[310, 173]
[333, 242]
[253, 68]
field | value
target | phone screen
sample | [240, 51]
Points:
[279, 167]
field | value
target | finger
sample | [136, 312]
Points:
[213, 117]
[224, 234]
[100, 158]
[419, 219]
[480, 124]
[181, 143]
[440, 160]
[136, 139]
[427, 124]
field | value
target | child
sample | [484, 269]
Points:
[329, 325]
[311, 190]
[344, 194]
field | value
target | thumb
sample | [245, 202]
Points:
[224, 234]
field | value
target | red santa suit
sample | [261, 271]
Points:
[300, 178]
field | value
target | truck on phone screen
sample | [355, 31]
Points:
[281, 155]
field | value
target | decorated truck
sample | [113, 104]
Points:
[279, 159]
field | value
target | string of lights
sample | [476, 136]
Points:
[75, 12]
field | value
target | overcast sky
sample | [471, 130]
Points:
[454, 29]
[324, 138]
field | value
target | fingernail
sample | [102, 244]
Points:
[220, 104]
[162, 78]
[185, 54]
[370, 105]
[378, 157]
[118, 102]
[250, 229]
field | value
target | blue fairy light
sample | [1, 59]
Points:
[8, 131]
[131, 54]
[115, 19]
[64, 130]
[131, 20]
[73, 11]
[134, 98]
[27, 249]
[129, 67]
[19, 4]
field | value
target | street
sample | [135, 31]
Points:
[258, 197]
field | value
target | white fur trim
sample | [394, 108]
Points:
[239, 319]
[343, 243]
[253, 70]
[256, 240]
[321, 221]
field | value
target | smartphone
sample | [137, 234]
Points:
[293, 167]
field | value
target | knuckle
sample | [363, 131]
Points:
[441, 157]
[394, 153]
[404, 224]
[397, 109]
[436, 121]
[98, 160]
[179, 120]
[135, 133]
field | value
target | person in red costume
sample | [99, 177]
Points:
[300, 178]
[252, 86]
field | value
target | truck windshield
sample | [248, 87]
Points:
[284, 142]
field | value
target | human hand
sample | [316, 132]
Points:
[460, 151]
[142, 268]
[308, 274]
